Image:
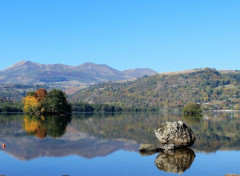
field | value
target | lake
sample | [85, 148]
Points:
[107, 144]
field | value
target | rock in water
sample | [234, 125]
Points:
[148, 148]
[176, 133]
[176, 161]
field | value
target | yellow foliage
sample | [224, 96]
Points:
[31, 103]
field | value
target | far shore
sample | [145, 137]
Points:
[227, 110]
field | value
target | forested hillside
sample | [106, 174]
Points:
[15, 92]
[214, 89]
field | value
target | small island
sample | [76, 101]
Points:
[43, 102]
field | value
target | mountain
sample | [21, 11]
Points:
[139, 72]
[69, 78]
[30, 72]
[215, 89]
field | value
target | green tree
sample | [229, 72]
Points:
[192, 109]
[56, 103]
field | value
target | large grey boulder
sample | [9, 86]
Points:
[176, 161]
[175, 133]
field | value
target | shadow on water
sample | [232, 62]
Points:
[42, 126]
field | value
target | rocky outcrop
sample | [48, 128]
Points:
[176, 134]
[176, 161]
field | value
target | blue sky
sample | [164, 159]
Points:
[165, 35]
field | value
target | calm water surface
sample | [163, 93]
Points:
[107, 144]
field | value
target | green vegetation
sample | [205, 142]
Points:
[86, 107]
[192, 109]
[76, 107]
[213, 89]
[43, 102]
[10, 107]
[56, 103]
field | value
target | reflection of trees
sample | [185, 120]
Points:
[193, 119]
[33, 126]
[212, 132]
[177, 161]
[41, 126]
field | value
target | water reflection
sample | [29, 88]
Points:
[212, 131]
[194, 119]
[177, 161]
[41, 126]
[91, 135]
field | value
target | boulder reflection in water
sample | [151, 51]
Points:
[177, 161]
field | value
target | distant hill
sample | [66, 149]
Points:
[68, 78]
[15, 92]
[215, 89]
[139, 72]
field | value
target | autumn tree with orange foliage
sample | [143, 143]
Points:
[41, 94]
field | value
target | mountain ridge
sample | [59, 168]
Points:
[63, 76]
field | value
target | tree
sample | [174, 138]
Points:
[56, 102]
[192, 109]
[41, 94]
[31, 104]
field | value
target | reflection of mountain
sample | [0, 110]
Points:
[73, 142]
[26, 148]
[91, 135]
[175, 161]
